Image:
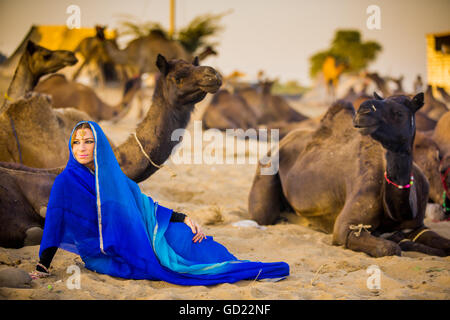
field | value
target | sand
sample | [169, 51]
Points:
[216, 196]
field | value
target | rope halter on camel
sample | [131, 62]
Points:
[149, 159]
[359, 227]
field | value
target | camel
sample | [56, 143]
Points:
[140, 53]
[251, 108]
[275, 108]
[179, 87]
[93, 51]
[441, 136]
[399, 85]
[36, 61]
[445, 96]
[76, 95]
[335, 178]
[228, 111]
[433, 108]
[427, 156]
[380, 82]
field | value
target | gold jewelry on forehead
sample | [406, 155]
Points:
[82, 133]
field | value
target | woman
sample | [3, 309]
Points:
[96, 211]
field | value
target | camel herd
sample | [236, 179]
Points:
[364, 171]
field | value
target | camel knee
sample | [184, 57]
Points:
[33, 236]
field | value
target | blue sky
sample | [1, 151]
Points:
[275, 36]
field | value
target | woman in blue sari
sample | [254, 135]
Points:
[97, 212]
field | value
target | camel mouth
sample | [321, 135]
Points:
[364, 125]
[210, 88]
[71, 61]
[366, 130]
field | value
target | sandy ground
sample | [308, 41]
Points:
[216, 196]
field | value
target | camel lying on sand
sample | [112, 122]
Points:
[441, 136]
[180, 86]
[71, 94]
[249, 107]
[433, 108]
[354, 177]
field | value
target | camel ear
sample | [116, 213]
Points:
[377, 96]
[417, 102]
[162, 64]
[196, 61]
[31, 47]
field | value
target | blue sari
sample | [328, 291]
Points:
[117, 230]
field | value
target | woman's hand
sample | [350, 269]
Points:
[199, 235]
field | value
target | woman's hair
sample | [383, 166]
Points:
[83, 125]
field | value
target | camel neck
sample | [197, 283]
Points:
[398, 167]
[399, 203]
[154, 134]
[23, 80]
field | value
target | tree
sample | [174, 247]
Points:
[346, 48]
[193, 37]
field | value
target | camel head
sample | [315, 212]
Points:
[186, 83]
[100, 32]
[43, 61]
[390, 121]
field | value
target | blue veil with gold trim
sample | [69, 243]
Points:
[117, 230]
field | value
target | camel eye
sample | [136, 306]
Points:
[47, 56]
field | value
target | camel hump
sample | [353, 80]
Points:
[340, 106]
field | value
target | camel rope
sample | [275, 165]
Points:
[148, 157]
[419, 234]
[359, 227]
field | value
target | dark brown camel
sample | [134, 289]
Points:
[180, 86]
[69, 94]
[335, 178]
[433, 108]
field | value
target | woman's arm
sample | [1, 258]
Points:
[177, 217]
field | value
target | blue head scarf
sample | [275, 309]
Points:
[104, 217]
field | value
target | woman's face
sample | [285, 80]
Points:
[83, 147]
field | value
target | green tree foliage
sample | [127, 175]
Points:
[193, 37]
[348, 49]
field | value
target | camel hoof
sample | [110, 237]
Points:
[388, 249]
[33, 236]
[15, 278]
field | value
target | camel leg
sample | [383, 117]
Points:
[353, 214]
[265, 199]
[409, 245]
[430, 239]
